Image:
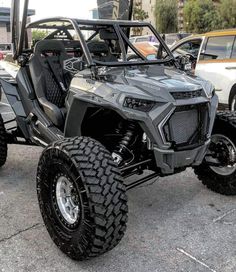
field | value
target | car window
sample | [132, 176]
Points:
[233, 56]
[191, 47]
[170, 39]
[218, 47]
[142, 39]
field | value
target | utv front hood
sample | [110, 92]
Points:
[156, 82]
[158, 79]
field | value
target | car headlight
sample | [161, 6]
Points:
[138, 104]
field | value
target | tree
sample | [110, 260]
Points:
[38, 35]
[200, 16]
[227, 12]
[140, 15]
[166, 12]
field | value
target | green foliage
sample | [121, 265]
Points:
[227, 13]
[200, 16]
[166, 12]
[140, 14]
[39, 34]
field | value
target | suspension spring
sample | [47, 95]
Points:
[123, 147]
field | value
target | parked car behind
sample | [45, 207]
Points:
[5, 48]
[147, 49]
[213, 55]
[173, 38]
[144, 38]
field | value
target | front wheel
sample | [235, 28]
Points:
[82, 197]
[218, 170]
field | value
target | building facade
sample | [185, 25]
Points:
[5, 28]
[114, 9]
[181, 15]
[149, 7]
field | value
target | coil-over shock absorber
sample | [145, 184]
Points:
[122, 150]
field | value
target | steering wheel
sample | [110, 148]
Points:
[187, 58]
[190, 55]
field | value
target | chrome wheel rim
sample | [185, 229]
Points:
[67, 200]
[229, 169]
[233, 104]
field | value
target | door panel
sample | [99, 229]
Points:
[217, 65]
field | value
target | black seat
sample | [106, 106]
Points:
[49, 78]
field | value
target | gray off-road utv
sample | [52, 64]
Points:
[102, 119]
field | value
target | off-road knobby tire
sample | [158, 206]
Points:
[3, 143]
[102, 194]
[225, 124]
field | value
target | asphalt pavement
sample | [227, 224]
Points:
[175, 224]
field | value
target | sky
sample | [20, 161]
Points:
[50, 8]
[67, 8]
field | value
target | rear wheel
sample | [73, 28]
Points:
[218, 170]
[82, 197]
[3, 143]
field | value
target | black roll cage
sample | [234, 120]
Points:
[20, 37]
[74, 24]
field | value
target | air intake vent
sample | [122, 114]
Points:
[187, 126]
[186, 95]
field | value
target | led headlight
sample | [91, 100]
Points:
[138, 104]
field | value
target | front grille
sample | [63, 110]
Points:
[187, 126]
[186, 95]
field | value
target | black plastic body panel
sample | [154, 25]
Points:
[11, 92]
[26, 91]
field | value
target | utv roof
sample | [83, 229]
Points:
[64, 21]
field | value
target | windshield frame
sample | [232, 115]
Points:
[76, 24]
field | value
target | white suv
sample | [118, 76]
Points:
[214, 59]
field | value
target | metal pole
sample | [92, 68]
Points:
[15, 25]
[22, 32]
[131, 6]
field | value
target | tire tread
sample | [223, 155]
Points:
[226, 185]
[105, 191]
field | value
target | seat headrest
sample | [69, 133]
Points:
[49, 46]
[106, 34]
[98, 47]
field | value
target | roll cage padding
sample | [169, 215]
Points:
[47, 46]
[108, 35]
[101, 51]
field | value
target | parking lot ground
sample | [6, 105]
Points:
[175, 224]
